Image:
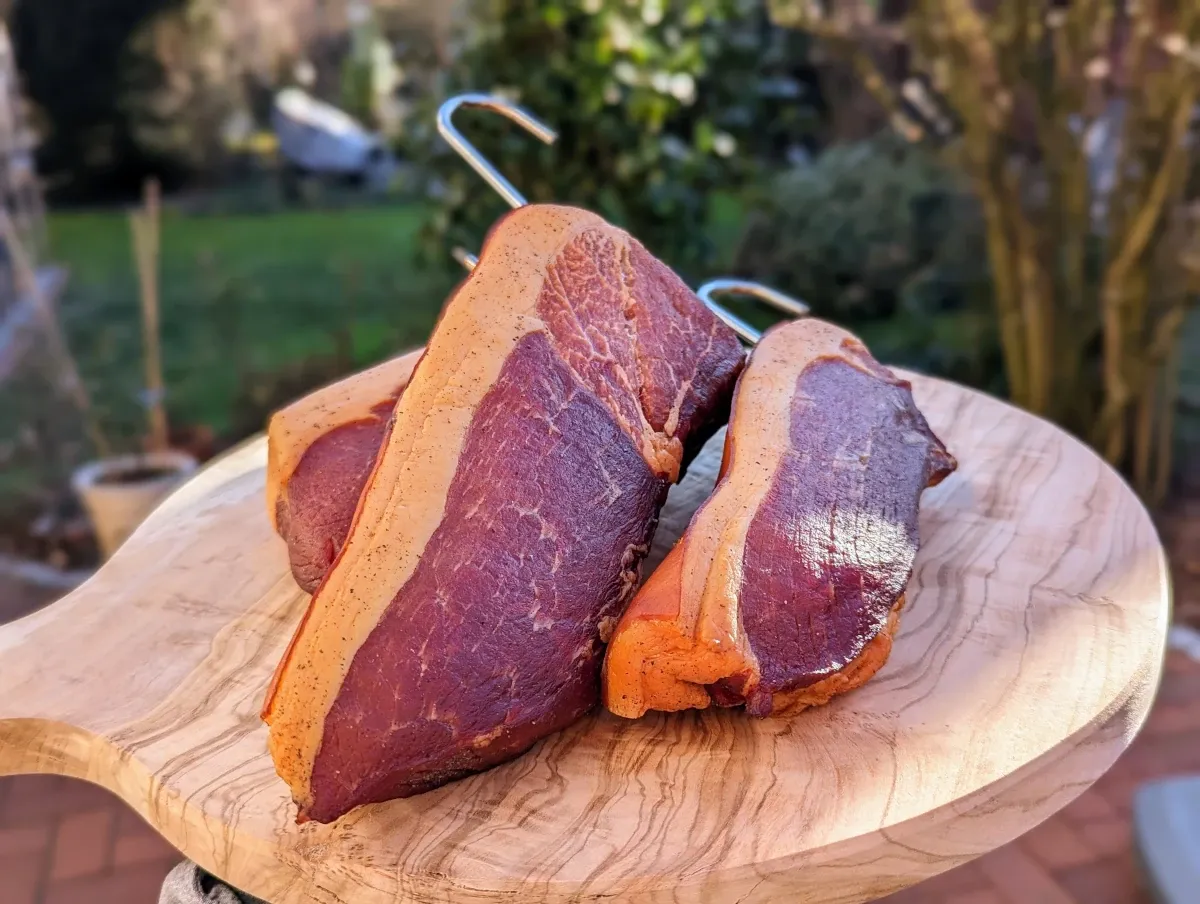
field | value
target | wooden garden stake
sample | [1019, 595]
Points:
[145, 228]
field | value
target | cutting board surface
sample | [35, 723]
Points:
[1026, 659]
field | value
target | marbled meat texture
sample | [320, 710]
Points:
[500, 532]
[786, 587]
[320, 451]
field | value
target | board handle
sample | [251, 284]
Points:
[103, 656]
[45, 691]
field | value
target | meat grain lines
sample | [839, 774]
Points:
[1027, 658]
[786, 588]
[503, 523]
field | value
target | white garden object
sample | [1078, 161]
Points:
[321, 139]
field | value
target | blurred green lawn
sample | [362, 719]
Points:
[242, 297]
[252, 306]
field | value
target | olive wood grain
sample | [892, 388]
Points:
[1026, 660]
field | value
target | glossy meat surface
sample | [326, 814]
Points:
[520, 586]
[786, 587]
[314, 504]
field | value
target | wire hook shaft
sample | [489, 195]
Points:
[469, 153]
[772, 297]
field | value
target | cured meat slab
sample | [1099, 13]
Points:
[1029, 651]
[320, 451]
[500, 532]
[787, 586]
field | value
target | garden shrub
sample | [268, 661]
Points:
[1075, 125]
[657, 105]
[879, 236]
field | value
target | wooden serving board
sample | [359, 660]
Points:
[1026, 660]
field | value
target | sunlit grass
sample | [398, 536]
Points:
[241, 296]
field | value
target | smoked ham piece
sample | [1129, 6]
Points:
[320, 451]
[500, 531]
[786, 587]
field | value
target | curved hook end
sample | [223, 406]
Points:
[469, 153]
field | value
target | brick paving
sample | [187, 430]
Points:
[67, 842]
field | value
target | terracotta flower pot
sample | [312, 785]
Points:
[120, 492]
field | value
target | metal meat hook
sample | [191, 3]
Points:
[476, 160]
[772, 297]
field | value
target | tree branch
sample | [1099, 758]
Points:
[805, 15]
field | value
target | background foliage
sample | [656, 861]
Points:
[867, 229]
[657, 105]
[713, 134]
[883, 237]
[179, 86]
[123, 89]
[1074, 125]
[257, 310]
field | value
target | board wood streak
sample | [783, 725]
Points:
[500, 532]
[786, 588]
[320, 451]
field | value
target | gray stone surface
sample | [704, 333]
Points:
[1166, 833]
